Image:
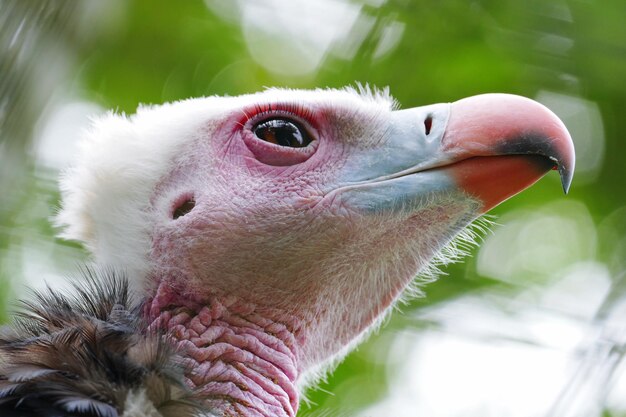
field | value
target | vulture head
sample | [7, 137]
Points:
[268, 232]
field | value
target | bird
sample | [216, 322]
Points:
[265, 236]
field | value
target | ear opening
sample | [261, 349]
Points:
[183, 206]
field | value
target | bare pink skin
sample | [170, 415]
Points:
[273, 271]
[245, 363]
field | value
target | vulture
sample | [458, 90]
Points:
[243, 245]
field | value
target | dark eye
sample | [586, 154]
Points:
[282, 132]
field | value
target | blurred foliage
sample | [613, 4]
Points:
[121, 54]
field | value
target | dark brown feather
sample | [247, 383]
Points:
[81, 355]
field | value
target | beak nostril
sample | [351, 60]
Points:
[183, 207]
[428, 124]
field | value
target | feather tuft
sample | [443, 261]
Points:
[85, 354]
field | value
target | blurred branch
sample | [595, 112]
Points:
[26, 82]
[585, 395]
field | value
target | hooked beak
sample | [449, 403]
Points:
[490, 146]
[503, 144]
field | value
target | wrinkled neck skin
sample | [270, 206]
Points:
[242, 358]
[251, 360]
[249, 351]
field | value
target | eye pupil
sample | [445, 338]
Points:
[282, 132]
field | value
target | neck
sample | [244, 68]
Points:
[243, 359]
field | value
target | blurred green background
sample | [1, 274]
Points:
[531, 324]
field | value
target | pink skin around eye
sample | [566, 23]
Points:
[276, 155]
